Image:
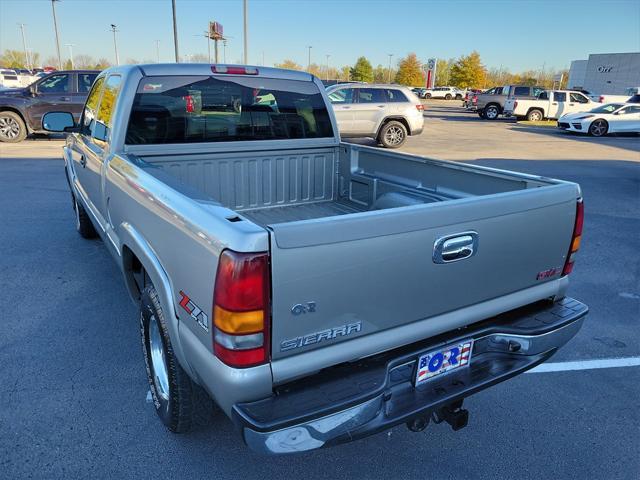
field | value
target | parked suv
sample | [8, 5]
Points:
[448, 93]
[491, 103]
[387, 113]
[21, 109]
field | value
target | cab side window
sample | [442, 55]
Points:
[85, 80]
[343, 96]
[91, 107]
[559, 96]
[55, 84]
[370, 95]
[107, 107]
[576, 97]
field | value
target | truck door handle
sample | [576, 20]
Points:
[554, 103]
[380, 106]
[83, 161]
[346, 107]
[452, 248]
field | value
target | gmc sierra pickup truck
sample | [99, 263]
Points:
[317, 291]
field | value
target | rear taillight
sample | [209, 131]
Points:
[601, 99]
[234, 70]
[575, 238]
[515, 105]
[189, 104]
[241, 309]
[420, 107]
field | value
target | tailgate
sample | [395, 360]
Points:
[335, 279]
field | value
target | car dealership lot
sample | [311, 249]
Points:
[74, 391]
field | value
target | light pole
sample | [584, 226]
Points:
[115, 43]
[55, 27]
[327, 73]
[157, 51]
[175, 31]
[389, 74]
[24, 45]
[224, 50]
[245, 15]
[70, 45]
[309, 58]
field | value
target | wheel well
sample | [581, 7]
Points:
[136, 277]
[535, 108]
[19, 113]
[495, 105]
[402, 120]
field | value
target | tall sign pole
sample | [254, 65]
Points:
[215, 33]
[24, 45]
[175, 31]
[246, 34]
[55, 27]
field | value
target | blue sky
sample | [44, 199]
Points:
[517, 34]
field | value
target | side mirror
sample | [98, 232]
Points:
[58, 122]
[33, 90]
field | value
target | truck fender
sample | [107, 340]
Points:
[133, 243]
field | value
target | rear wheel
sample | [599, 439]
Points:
[535, 115]
[393, 134]
[427, 95]
[178, 401]
[447, 96]
[598, 128]
[491, 112]
[12, 127]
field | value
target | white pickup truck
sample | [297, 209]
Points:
[629, 92]
[317, 291]
[550, 104]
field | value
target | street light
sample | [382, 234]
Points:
[115, 43]
[157, 51]
[70, 45]
[389, 75]
[55, 27]
[309, 58]
[24, 45]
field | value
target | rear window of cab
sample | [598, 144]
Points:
[188, 109]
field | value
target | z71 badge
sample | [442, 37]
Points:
[195, 311]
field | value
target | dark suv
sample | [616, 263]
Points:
[21, 109]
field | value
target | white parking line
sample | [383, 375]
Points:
[587, 365]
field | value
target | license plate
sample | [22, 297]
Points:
[444, 360]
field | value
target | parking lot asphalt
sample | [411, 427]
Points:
[73, 393]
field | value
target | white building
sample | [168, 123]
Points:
[606, 73]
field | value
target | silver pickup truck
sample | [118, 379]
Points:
[317, 291]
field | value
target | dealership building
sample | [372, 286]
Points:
[606, 73]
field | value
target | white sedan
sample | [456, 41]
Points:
[609, 118]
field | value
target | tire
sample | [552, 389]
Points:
[83, 222]
[393, 134]
[427, 95]
[491, 111]
[447, 96]
[535, 115]
[12, 127]
[598, 128]
[178, 401]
